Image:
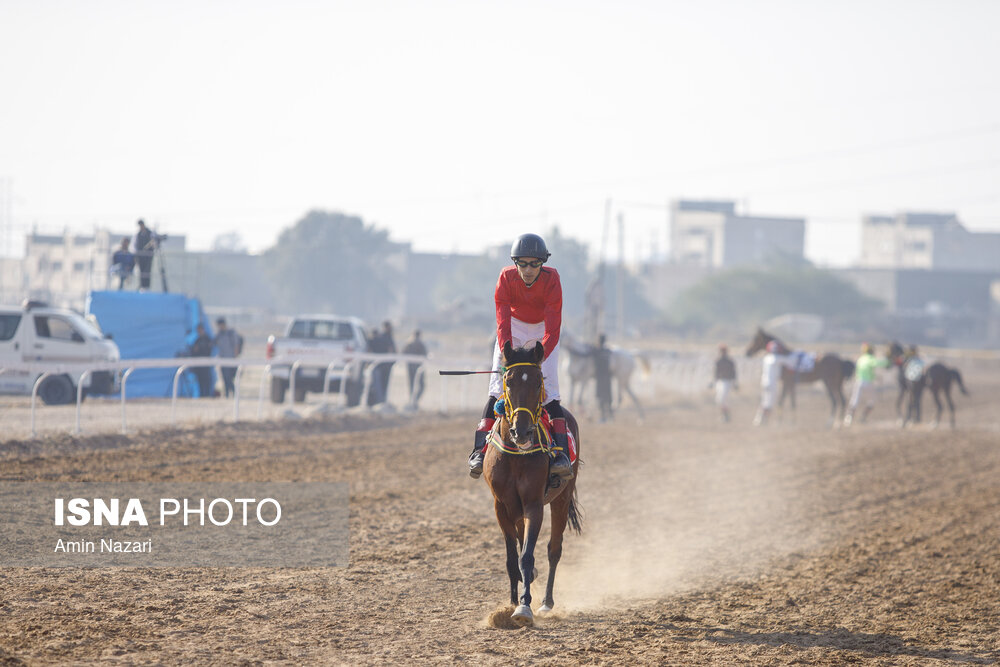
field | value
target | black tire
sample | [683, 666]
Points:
[57, 390]
[278, 388]
[300, 393]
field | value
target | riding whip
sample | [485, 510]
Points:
[464, 372]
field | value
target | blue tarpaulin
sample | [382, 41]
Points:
[149, 325]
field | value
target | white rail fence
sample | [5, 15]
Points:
[355, 365]
[683, 374]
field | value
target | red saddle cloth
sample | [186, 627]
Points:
[546, 424]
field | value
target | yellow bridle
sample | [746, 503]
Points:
[536, 414]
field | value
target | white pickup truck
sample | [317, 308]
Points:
[319, 337]
[35, 332]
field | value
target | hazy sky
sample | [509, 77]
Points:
[461, 124]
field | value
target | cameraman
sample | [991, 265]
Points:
[145, 244]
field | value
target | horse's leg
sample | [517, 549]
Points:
[559, 515]
[937, 401]
[510, 541]
[635, 400]
[951, 404]
[791, 397]
[834, 405]
[842, 399]
[533, 513]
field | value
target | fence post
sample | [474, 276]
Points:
[128, 371]
[34, 395]
[292, 372]
[173, 398]
[236, 392]
[260, 395]
[79, 399]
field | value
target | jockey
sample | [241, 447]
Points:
[528, 300]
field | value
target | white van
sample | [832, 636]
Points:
[35, 332]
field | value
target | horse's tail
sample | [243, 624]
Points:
[958, 378]
[575, 514]
[846, 368]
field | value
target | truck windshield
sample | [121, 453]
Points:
[8, 325]
[322, 329]
[84, 327]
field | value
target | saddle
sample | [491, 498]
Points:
[801, 361]
[913, 369]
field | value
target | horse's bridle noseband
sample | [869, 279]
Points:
[535, 414]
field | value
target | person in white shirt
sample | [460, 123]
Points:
[774, 362]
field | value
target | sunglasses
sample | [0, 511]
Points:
[524, 265]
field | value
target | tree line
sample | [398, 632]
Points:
[334, 262]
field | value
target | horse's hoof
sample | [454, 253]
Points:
[544, 609]
[523, 616]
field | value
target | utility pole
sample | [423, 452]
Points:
[6, 219]
[620, 293]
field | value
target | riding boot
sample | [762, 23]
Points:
[479, 448]
[560, 464]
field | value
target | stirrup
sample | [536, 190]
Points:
[476, 462]
[561, 466]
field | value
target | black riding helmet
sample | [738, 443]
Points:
[529, 245]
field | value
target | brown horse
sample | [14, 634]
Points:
[516, 469]
[913, 378]
[829, 368]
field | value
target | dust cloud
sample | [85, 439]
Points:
[685, 509]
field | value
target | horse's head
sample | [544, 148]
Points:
[894, 352]
[523, 390]
[759, 342]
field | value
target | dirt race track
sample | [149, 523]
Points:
[703, 543]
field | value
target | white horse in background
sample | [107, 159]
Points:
[581, 370]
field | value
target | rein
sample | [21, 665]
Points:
[535, 415]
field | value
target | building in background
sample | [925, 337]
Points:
[935, 241]
[939, 281]
[711, 234]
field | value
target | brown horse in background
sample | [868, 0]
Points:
[830, 368]
[518, 476]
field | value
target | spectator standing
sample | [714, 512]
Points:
[416, 347]
[725, 380]
[602, 378]
[229, 345]
[122, 263]
[382, 343]
[202, 347]
[144, 245]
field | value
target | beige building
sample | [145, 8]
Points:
[926, 241]
[711, 234]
